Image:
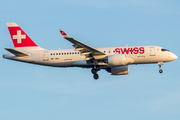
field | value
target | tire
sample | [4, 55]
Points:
[160, 71]
[96, 76]
[94, 71]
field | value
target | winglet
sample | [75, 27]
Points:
[64, 34]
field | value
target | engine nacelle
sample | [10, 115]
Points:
[118, 60]
[120, 70]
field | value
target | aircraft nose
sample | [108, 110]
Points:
[173, 56]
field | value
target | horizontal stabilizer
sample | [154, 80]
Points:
[16, 52]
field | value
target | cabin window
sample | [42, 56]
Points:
[64, 53]
[67, 53]
[72, 52]
[59, 53]
[53, 53]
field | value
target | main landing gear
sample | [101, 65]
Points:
[160, 70]
[94, 71]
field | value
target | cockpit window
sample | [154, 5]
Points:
[163, 49]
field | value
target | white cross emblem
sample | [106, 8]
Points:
[19, 37]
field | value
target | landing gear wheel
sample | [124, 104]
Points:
[96, 76]
[160, 71]
[94, 71]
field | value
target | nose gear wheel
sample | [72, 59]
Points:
[160, 70]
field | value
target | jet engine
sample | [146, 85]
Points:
[120, 70]
[118, 60]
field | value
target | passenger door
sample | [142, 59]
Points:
[45, 56]
[152, 51]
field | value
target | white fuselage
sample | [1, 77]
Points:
[73, 58]
[115, 60]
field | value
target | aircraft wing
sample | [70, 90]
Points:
[86, 50]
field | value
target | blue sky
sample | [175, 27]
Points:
[37, 92]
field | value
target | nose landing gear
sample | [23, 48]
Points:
[94, 71]
[160, 70]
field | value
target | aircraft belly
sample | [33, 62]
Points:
[80, 63]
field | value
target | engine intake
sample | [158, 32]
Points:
[119, 60]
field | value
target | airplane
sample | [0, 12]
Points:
[115, 60]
